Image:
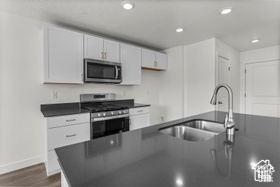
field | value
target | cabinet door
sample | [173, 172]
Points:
[148, 58]
[131, 64]
[161, 60]
[93, 47]
[63, 56]
[52, 165]
[111, 51]
[139, 121]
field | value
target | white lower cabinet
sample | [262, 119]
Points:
[139, 117]
[64, 182]
[52, 165]
[59, 133]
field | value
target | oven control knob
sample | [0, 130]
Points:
[104, 114]
[112, 113]
[124, 112]
[99, 115]
[120, 112]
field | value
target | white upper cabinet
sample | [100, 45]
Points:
[111, 51]
[161, 60]
[93, 47]
[101, 49]
[131, 65]
[63, 56]
[148, 58]
[154, 60]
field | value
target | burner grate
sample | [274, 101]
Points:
[105, 107]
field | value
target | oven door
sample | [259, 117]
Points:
[102, 72]
[107, 127]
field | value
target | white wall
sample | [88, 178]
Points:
[233, 55]
[258, 55]
[188, 85]
[199, 77]
[171, 87]
[184, 90]
[21, 73]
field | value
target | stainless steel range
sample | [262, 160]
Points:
[107, 117]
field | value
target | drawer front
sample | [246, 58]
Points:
[62, 136]
[52, 163]
[138, 111]
[67, 120]
[139, 121]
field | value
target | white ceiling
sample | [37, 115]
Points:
[152, 23]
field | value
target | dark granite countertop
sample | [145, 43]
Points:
[130, 103]
[137, 105]
[146, 157]
[52, 110]
[60, 109]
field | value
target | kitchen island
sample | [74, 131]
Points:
[146, 157]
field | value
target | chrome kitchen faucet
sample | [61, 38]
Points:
[229, 122]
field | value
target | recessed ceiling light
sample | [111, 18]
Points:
[226, 10]
[179, 182]
[179, 29]
[255, 40]
[127, 5]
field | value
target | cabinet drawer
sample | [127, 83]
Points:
[62, 136]
[140, 110]
[67, 120]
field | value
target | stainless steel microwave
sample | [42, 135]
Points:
[96, 71]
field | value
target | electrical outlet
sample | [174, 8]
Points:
[54, 95]
[162, 118]
[148, 92]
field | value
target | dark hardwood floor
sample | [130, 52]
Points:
[31, 176]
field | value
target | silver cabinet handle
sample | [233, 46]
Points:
[69, 120]
[155, 64]
[117, 72]
[68, 136]
[105, 55]
[102, 53]
[140, 111]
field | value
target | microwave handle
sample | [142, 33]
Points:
[117, 72]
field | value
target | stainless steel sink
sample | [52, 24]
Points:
[205, 125]
[196, 130]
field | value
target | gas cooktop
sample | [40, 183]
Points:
[103, 105]
[100, 107]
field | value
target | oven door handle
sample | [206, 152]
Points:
[117, 72]
[108, 118]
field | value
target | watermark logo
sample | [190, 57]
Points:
[263, 171]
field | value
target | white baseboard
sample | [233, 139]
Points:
[21, 164]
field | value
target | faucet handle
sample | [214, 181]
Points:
[226, 119]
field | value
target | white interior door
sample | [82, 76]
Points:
[223, 77]
[262, 88]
